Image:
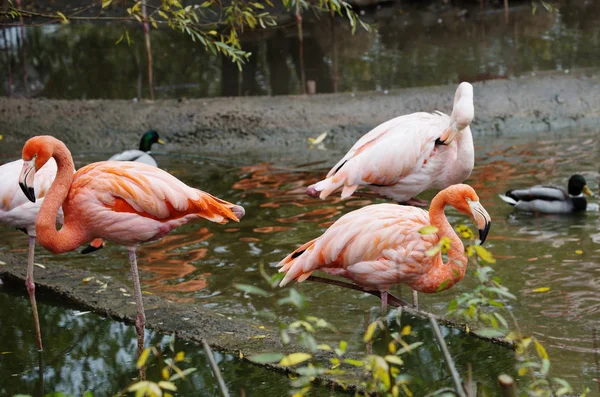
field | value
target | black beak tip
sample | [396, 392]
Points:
[484, 232]
[28, 192]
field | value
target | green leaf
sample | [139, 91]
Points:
[443, 285]
[430, 229]
[356, 363]
[251, 289]
[294, 359]
[489, 333]
[106, 3]
[295, 299]
[63, 18]
[502, 292]
[182, 374]
[342, 349]
[266, 358]
[409, 348]
[258, 5]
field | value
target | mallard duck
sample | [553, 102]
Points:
[550, 199]
[143, 154]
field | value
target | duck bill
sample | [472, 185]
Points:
[27, 178]
[160, 141]
[481, 218]
[586, 190]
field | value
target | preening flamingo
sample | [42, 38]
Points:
[550, 199]
[17, 211]
[127, 203]
[380, 245]
[143, 154]
[409, 154]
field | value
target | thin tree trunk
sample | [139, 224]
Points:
[146, 25]
[22, 29]
[300, 47]
[506, 11]
[336, 75]
[8, 62]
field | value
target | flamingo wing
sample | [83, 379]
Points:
[386, 154]
[367, 245]
[129, 202]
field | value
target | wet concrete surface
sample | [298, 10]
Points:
[230, 126]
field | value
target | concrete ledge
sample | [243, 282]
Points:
[228, 126]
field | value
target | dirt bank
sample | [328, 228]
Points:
[232, 126]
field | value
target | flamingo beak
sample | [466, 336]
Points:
[587, 191]
[27, 178]
[448, 135]
[481, 218]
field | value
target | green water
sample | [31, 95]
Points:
[199, 262]
[414, 45]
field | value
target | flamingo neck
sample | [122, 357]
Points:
[445, 275]
[71, 235]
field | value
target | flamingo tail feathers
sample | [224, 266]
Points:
[293, 264]
[216, 210]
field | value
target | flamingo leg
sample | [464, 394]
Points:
[415, 299]
[31, 290]
[384, 302]
[140, 320]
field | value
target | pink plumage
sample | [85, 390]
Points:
[380, 245]
[409, 154]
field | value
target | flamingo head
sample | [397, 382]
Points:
[463, 198]
[36, 152]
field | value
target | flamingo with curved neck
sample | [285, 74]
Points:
[407, 155]
[126, 203]
[380, 245]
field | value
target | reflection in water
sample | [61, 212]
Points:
[412, 46]
[200, 262]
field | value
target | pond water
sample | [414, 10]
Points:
[199, 262]
[414, 44]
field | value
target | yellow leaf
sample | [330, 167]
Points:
[469, 250]
[542, 289]
[484, 254]
[394, 360]
[294, 358]
[433, 250]
[392, 347]
[106, 3]
[523, 371]
[579, 252]
[241, 355]
[143, 358]
[87, 279]
[430, 229]
[165, 373]
[0, 137]
[370, 331]
[324, 347]
[541, 351]
[62, 17]
[405, 331]
[167, 385]
[319, 139]
[467, 329]
[179, 356]
[465, 232]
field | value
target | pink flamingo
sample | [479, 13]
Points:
[380, 245]
[17, 211]
[407, 155]
[127, 203]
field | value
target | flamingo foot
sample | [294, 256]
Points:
[312, 192]
[31, 290]
[415, 202]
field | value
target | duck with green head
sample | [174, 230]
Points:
[143, 154]
[551, 199]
